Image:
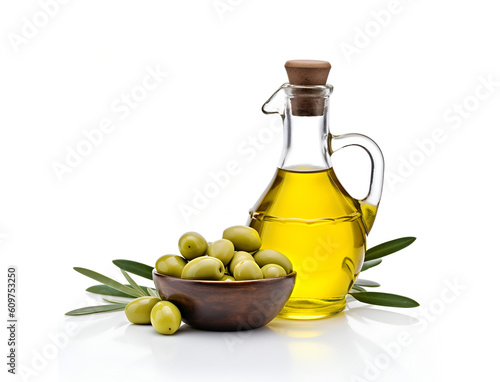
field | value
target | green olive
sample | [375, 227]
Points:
[171, 265]
[238, 258]
[270, 256]
[138, 311]
[192, 245]
[165, 317]
[244, 238]
[222, 249]
[273, 270]
[247, 270]
[203, 268]
[227, 278]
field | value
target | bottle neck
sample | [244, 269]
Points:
[305, 140]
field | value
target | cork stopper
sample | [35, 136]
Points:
[307, 73]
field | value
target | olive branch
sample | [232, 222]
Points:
[113, 288]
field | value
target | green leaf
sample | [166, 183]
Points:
[366, 283]
[136, 268]
[114, 301]
[370, 264]
[108, 291]
[107, 281]
[153, 293]
[358, 288]
[389, 247]
[96, 309]
[133, 283]
[385, 299]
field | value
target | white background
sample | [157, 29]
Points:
[397, 85]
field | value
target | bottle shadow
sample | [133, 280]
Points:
[333, 346]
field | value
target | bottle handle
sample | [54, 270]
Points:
[370, 203]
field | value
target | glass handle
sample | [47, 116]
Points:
[370, 203]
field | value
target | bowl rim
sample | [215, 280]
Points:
[218, 282]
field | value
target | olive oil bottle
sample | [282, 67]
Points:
[305, 212]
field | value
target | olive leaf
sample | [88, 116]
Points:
[370, 264]
[108, 291]
[107, 281]
[389, 247]
[385, 299]
[358, 288]
[96, 309]
[366, 283]
[136, 268]
[153, 293]
[114, 301]
[133, 283]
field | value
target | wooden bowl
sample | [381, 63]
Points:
[226, 305]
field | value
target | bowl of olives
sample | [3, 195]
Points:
[227, 285]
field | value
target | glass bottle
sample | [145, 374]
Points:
[305, 212]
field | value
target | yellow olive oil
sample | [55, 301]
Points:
[307, 215]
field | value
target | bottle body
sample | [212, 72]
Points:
[306, 214]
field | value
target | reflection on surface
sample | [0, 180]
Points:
[366, 314]
[335, 347]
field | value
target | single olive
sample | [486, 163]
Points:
[222, 249]
[192, 245]
[138, 311]
[244, 238]
[227, 278]
[273, 270]
[171, 265]
[203, 268]
[270, 256]
[238, 258]
[247, 270]
[165, 317]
